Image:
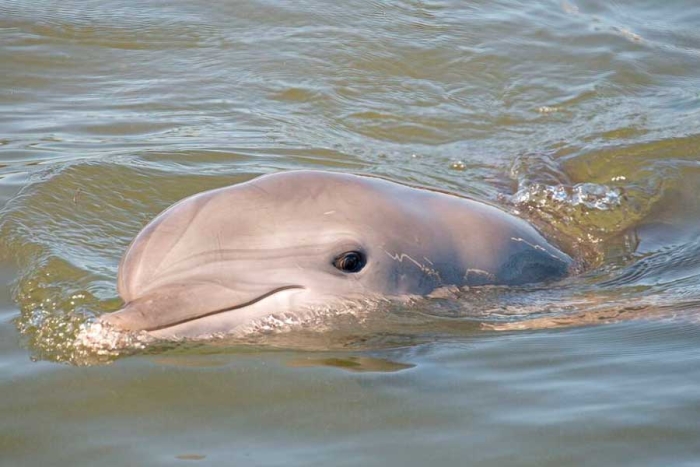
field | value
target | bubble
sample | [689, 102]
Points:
[589, 195]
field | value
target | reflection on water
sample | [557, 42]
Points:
[359, 364]
[581, 116]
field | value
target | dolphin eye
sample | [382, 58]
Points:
[350, 261]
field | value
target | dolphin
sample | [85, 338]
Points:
[288, 242]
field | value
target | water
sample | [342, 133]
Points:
[581, 116]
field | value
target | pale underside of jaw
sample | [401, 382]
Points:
[231, 320]
[282, 311]
[264, 319]
[279, 310]
[103, 337]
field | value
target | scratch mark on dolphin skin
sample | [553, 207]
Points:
[257, 187]
[327, 213]
[536, 247]
[472, 275]
[200, 202]
[401, 256]
[219, 247]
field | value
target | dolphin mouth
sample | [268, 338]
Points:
[168, 309]
[224, 310]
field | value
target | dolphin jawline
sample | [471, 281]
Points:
[224, 310]
[115, 316]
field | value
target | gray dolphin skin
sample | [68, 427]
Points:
[292, 241]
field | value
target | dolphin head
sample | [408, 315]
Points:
[288, 242]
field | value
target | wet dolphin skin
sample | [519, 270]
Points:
[290, 241]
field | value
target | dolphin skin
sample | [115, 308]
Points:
[292, 241]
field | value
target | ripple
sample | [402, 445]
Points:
[599, 100]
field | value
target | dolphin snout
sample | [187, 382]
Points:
[130, 318]
[182, 304]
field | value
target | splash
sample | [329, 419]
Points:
[579, 216]
[587, 195]
[96, 342]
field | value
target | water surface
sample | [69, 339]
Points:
[581, 116]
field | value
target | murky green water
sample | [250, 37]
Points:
[581, 116]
